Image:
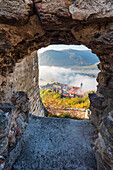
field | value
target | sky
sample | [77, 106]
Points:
[63, 47]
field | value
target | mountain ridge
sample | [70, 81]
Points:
[67, 58]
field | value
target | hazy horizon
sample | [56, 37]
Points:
[68, 76]
[62, 47]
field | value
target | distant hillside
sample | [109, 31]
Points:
[67, 58]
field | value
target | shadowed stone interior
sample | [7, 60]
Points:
[53, 149]
[26, 26]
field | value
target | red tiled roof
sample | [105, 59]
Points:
[65, 94]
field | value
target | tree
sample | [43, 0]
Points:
[52, 80]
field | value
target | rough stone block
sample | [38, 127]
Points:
[97, 101]
[104, 143]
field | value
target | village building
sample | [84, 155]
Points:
[65, 90]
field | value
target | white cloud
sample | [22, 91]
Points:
[63, 47]
[68, 76]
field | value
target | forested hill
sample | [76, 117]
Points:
[67, 58]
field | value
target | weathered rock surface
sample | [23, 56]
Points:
[25, 78]
[26, 26]
[13, 121]
[53, 143]
[15, 12]
[83, 10]
[104, 143]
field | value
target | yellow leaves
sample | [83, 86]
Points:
[53, 98]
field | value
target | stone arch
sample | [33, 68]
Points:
[35, 24]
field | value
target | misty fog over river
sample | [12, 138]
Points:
[69, 76]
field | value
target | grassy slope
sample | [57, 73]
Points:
[52, 98]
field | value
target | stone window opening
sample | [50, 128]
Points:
[54, 70]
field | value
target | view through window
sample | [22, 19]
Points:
[67, 73]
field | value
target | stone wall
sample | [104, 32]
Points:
[25, 77]
[29, 25]
[19, 98]
[104, 143]
[13, 121]
[102, 118]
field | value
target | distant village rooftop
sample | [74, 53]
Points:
[65, 90]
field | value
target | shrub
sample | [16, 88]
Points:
[53, 98]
